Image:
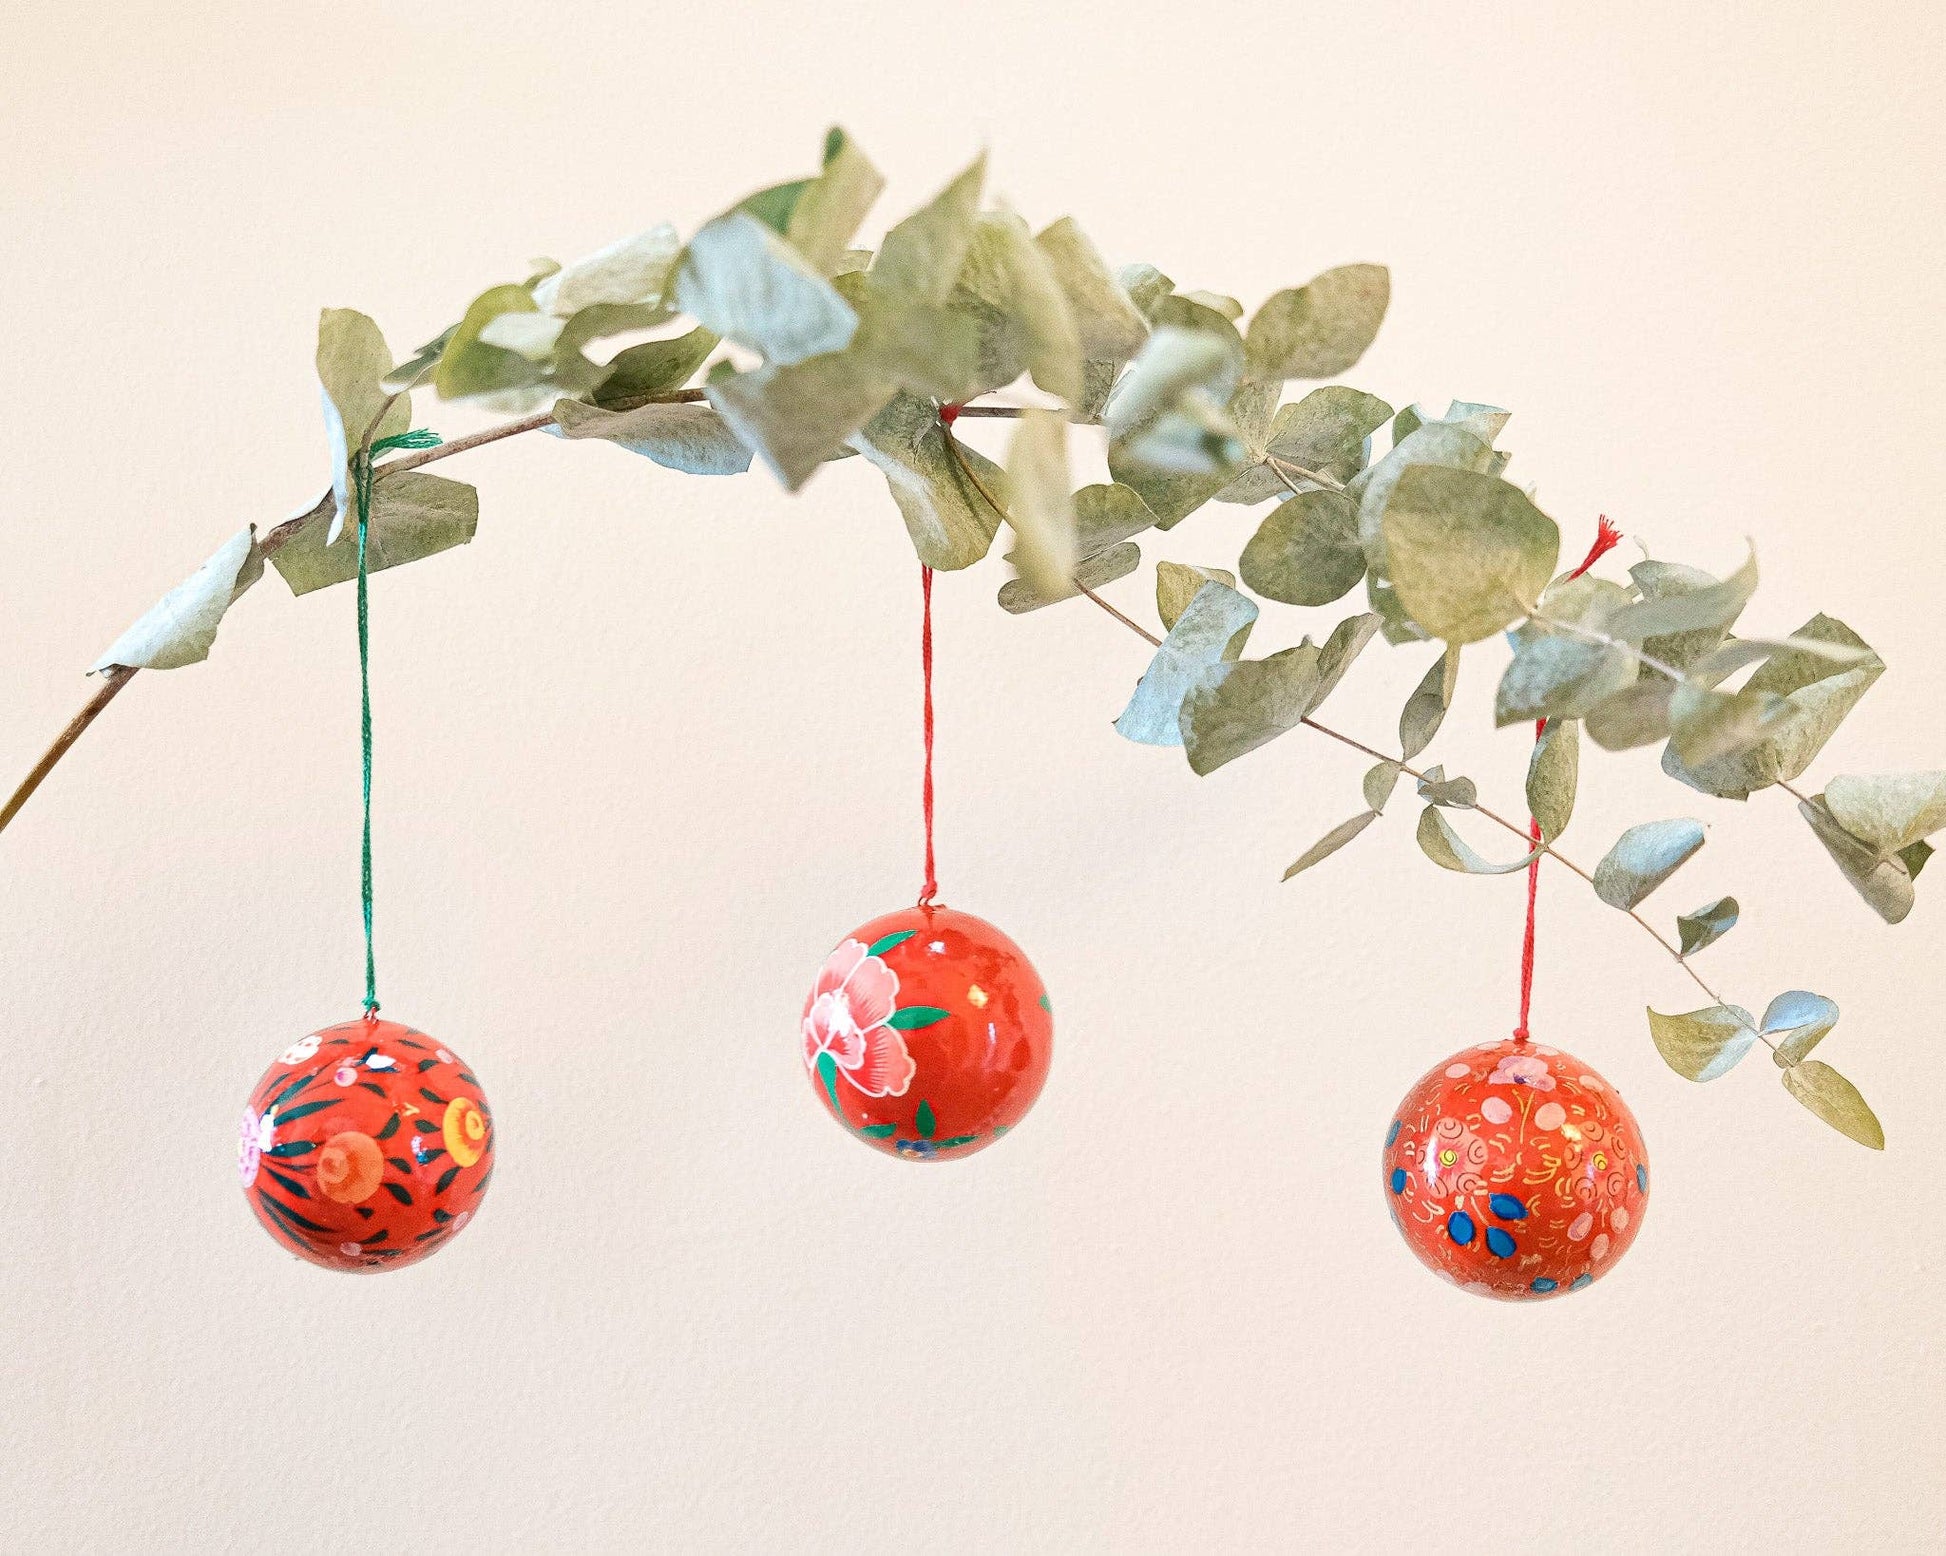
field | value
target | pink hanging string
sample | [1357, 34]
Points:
[1606, 539]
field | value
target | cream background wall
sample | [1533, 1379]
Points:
[649, 746]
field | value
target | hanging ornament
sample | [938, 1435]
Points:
[928, 1033]
[366, 1146]
[1512, 1169]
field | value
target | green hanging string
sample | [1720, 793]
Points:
[362, 477]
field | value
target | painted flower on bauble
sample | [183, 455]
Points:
[464, 1129]
[851, 1004]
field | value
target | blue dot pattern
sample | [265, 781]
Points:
[1499, 1243]
[1507, 1208]
[1542, 1283]
[1398, 1180]
[1583, 1279]
[1392, 1133]
[1459, 1227]
[1641, 1173]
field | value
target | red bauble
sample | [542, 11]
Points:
[928, 1033]
[366, 1146]
[1516, 1172]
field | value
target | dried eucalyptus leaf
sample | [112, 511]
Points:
[1643, 858]
[740, 278]
[1346, 642]
[1211, 628]
[1331, 842]
[1914, 858]
[1435, 443]
[1556, 675]
[1468, 553]
[414, 515]
[949, 518]
[1835, 1100]
[655, 366]
[1637, 715]
[1435, 788]
[1306, 551]
[1665, 580]
[1885, 884]
[1707, 725]
[798, 416]
[1889, 811]
[1322, 328]
[1110, 326]
[1042, 507]
[921, 257]
[1103, 567]
[1380, 780]
[1176, 584]
[1553, 775]
[1445, 848]
[827, 212]
[632, 270]
[1707, 925]
[1329, 430]
[1146, 286]
[1106, 516]
[1820, 694]
[411, 374]
[470, 367]
[1714, 607]
[1233, 708]
[1703, 1044]
[180, 627]
[691, 438]
[1006, 270]
[1172, 365]
[352, 360]
[1425, 709]
[1797, 1022]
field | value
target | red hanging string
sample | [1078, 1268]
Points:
[1606, 539]
[931, 888]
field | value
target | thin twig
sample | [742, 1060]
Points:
[111, 683]
[1278, 468]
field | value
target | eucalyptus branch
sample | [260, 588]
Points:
[1605, 640]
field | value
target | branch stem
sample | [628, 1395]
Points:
[111, 683]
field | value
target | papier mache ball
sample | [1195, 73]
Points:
[1515, 1171]
[927, 1033]
[366, 1146]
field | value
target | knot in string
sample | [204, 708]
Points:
[363, 476]
[1607, 537]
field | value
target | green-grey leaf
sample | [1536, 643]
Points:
[1110, 327]
[1468, 553]
[1346, 642]
[798, 416]
[1328, 430]
[1211, 628]
[1557, 675]
[1008, 272]
[741, 279]
[1885, 884]
[1798, 1021]
[1553, 774]
[1436, 443]
[1041, 509]
[1102, 567]
[1320, 329]
[1820, 694]
[1435, 788]
[1915, 857]
[1447, 849]
[1707, 925]
[950, 521]
[1105, 516]
[1306, 551]
[414, 515]
[1703, 1044]
[1146, 287]
[1835, 1100]
[1643, 858]
[1331, 842]
[1637, 715]
[633, 270]
[1664, 580]
[471, 367]
[1176, 584]
[1380, 780]
[1425, 709]
[655, 366]
[691, 438]
[180, 627]
[410, 374]
[352, 360]
[1178, 374]
[1711, 608]
[1890, 811]
[921, 257]
[1233, 708]
[828, 211]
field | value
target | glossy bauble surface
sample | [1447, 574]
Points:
[366, 1146]
[927, 1033]
[1515, 1171]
